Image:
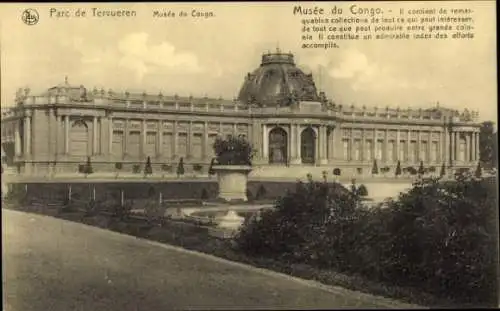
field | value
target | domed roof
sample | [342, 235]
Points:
[277, 82]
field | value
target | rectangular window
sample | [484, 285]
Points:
[423, 151]
[390, 151]
[402, 150]
[134, 144]
[197, 146]
[434, 152]
[346, 150]
[368, 150]
[181, 150]
[117, 144]
[167, 144]
[380, 146]
[150, 144]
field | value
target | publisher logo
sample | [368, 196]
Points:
[30, 17]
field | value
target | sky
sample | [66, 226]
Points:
[211, 56]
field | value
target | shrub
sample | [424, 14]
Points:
[443, 170]
[233, 151]
[479, 172]
[397, 172]
[421, 170]
[374, 168]
[432, 169]
[211, 168]
[336, 171]
[325, 176]
[118, 168]
[359, 170]
[437, 237]
[136, 168]
[362, 190]
[180, 167]
[148, 169]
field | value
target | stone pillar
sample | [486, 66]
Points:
[457, 145]
[419, 146]
[294, 145]
[58, 127]
[125, 136]
[17, 139]
[51, 139]
[467, 147]
[264, 143]
[446, 150]
[66, 134]
[110, 136]
[408, 144]
[323, 139]
[385, 153]
[363, 145]
[27, 135]
[175, 133]
[397, 145]
[206, 147]
[477, 147]
[189, 140]
[298, 143]
[375, 144]
[94, 138]
[159, 145]
[143, 140]
[351, 145]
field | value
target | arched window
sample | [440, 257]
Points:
[308, 146]
[79, 139]
[278, 146]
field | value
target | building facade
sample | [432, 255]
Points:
[278, 109]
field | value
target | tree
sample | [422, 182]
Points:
[325, 176]
[375, 167]
[421, 170]
[362, 190]
[148, 169]
[442, 173]
[88, 168]
[180, 168]
[118, 168]
[211, 170]
[233, 151]
[479, 171]
[398, 169]
[336, 171]
[488, 148]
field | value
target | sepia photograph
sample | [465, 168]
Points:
[249, 155]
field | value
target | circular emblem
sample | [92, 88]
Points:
[30, 17]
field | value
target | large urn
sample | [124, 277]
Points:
[232, 181]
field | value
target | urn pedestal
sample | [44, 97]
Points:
[232, 181]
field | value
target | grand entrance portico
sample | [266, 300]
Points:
[297, 144]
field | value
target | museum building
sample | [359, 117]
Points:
[278, 109]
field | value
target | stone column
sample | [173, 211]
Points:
[419, 146]
[323, 139]
[351, 145]
[58, 127]
[189, 140]
[143, 140]
[27, 134]
[159, 145]
[452, 147]
[408, 144]
[298, 143]
[294, 144]
[66, 134]
[94, 138]
[264, 143]
[110, 136]
[206, 147]
[398, 146]
[363, 145]
[467, 147]
[125, 136]
[477, 147]
[175, 133]
[17, 138]
[446, 149]
[457, 145]
[385, 153]
[375, 145]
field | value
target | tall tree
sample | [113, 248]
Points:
[488, 149]
[398, 169]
